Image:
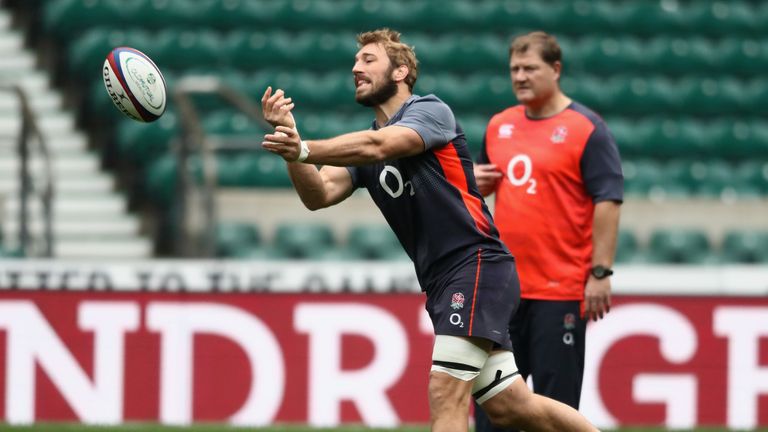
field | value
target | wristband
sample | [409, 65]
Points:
[304, 152]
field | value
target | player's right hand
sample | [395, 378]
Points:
[277, 108]
[487, 177]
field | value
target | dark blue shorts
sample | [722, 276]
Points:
[477, 299]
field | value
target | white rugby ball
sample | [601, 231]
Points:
[135, 84]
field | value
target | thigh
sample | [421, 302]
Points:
[557, 349]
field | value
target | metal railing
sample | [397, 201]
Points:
[191, 240]
[28, 187]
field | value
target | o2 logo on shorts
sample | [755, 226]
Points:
[525, 177]
[456, 320]
[400, 186]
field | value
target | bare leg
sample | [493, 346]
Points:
[448, 402]
[520, 408]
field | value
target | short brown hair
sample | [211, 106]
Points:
[399, 53]
[547, 45]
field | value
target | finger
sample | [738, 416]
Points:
[290, 132]
[267, 94]
[287, 107]
[278, 94]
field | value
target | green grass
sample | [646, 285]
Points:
[65, 427]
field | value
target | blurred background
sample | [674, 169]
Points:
[682, 85]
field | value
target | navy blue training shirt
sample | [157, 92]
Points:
[431, 199]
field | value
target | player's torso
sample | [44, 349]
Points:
[432, 206]
[542, 209]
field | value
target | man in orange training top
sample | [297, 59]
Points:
[557, 175]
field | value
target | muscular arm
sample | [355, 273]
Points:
[320, 188]
[365, 147]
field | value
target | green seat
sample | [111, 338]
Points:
[302, 239]
[185, 50]
[372, 241]
[474, 131]
[679, 246]
[233, 238]
[87, 52]
[160, 180]
[67, 18]
[139, 143]
[641, 175]
[745, 246]
[260, 169]
[626, 246]
[753, 174]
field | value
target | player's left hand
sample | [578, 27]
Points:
[597, 298]
[284, 142]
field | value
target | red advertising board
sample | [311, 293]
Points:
[325, 359]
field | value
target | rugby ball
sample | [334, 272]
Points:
[135, 84]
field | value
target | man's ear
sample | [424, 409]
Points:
[400, 73]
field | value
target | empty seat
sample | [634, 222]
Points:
[745, 246]
[679, 246]
[373, 241]
[260, 169]
[139, 143]
[626, 246]
[302, 239]
[234, 238]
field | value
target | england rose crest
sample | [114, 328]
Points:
[457, 301]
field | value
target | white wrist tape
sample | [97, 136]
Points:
[304, 152]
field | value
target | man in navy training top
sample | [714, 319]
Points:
[415, 164]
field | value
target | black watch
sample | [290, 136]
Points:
[600, 272]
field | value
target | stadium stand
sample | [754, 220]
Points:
[681, 84]
[90, 217]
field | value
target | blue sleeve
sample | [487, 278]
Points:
[353, 172]
[482, 157]
[432, 120]
[601, 166]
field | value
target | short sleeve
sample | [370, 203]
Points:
[482, 157]
[432, 120]
[355, 174]
[601, 166]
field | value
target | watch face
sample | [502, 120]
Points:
[601, 272]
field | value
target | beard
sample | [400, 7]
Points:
[380, 95]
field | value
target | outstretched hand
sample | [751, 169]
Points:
[284, 142]
[277, 108]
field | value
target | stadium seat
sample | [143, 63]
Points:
[140, 143]
[372, 241]
[260, 169]
[745, 246]
[679, 246]
[303, 239]
[234, 238]
[641, 175]
[626, 246]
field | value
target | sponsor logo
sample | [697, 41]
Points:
[505, 130]
[457, 301]
[559, 135]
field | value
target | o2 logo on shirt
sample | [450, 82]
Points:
[525, 177]
[400, 186]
